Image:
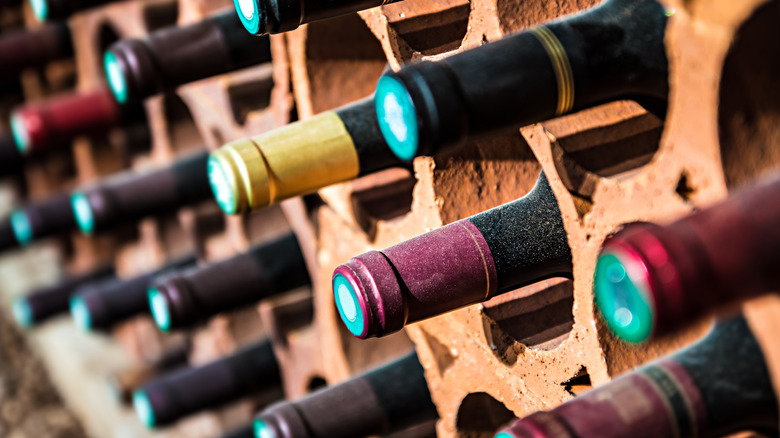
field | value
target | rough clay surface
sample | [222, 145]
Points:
[485, 362]
[29, 404]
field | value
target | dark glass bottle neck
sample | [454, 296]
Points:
[402, 391]
[115, 301]
[359, 119]
[51, 217]
[192, 178]
[526, 238]
[53, 300]
[278, 16]
[731, 374]
[615, 51]
[244, 48]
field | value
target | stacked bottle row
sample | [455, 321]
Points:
[650, 279]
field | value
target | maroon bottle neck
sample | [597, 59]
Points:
[659, 400]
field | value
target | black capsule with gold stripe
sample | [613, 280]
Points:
[611, 52]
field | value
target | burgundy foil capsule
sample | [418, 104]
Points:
[459, 264]
[430, 277]
[700, 391]
[719, 255]
[58, 121]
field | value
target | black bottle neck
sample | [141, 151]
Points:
[526, 238]
[359, 119]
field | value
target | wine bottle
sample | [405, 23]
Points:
[11, 160]
[34, 48]
[184, 299]
[131, 196]
[299, 158]
[167, 58]
[42, 219]
[49, 10]
[466, 262]
[388, 399]
[611, 52]
[124, 383]
[100, 306]
[58, 121]
[713, 388]
[187, 391]
[713, 257]
[261, 17]
[44, 303]
[10, 4]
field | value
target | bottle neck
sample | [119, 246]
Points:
[614, 51]
[527, 239]
[699, 391]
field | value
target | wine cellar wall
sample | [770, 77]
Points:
[523, 351]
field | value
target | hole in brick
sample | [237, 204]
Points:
[182, 131]
[684, 188]
[579, 383]
[316, 383]
[515, 15]
[582, 204]
[382, 196]
[107, 35]
[217, 134]
[610, 139]
[424, 430]
[131, 140]
[539, 316]
[749, 107]
[159, 15]
[429, 27]
[483, 175]
[340, 73]
[248, 96]
[207, 221]
[479, 415]
[266, 224]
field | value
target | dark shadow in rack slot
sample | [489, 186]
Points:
[250, 95]
[182, 131]
[160, 14]
[106, 36]
[315, 383]
[429, 27]
[384, 195]
[579, 383]
[479, 415]
[749, 107]
[341, 73]
[539, 316]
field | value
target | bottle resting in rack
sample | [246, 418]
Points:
[714, 388]
[611, 52]
[463, 263]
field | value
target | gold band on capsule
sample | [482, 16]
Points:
[561, 65]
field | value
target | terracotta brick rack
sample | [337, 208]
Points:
[530, 349]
